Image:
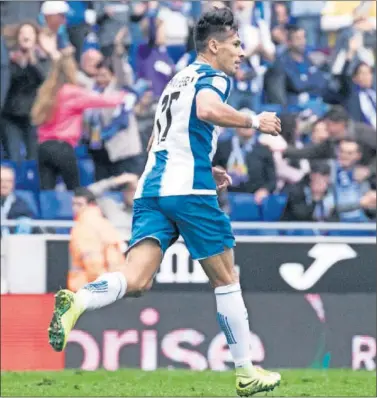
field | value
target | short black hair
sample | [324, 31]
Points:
[337, 114]
[82, 192]
[357, 68]
[213, 23]
[320, 167]
[292, 29]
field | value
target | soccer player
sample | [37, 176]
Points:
[177, 196]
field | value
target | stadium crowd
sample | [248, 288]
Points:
[80, 81]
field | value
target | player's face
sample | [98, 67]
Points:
[230, 54]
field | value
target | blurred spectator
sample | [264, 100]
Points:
[92, 58]
[320, 132]
[95, 245]
[12, 206]
[76, 25]
[120, 61]
[348, 191]
[248, 162]
[54, 20]
[28, 69]
[256, 38]
[153, 62]
[89, 62]
[340, 127]
[13, 12]
[172, 14]
[119, 214]
[145, 112]
[368, 204]
[288, 171]
[303, 80]
[113, 16]
[356, 93]
[305, 121]
[189, 57]
[312, 199]
[280, 22]
[356, 44]
[307, 15]
[114, 139]
[4, 72]
[337, 15]
[58, 113]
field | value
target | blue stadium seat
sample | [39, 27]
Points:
[243, 207]
[28, 176]
[353, 233]
[86, 172]
[56, 205]
[30, 199]
[273, 207]
[299, 232]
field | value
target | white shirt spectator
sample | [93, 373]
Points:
[176, 26]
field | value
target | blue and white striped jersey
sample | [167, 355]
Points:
[180, 162]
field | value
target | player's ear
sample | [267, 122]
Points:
[213, 46]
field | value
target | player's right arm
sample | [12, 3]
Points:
[211, 109]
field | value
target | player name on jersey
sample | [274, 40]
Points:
[181, 82]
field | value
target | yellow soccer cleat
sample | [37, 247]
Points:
[64, 318]
[252, 380]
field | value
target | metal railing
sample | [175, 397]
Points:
[327, 226]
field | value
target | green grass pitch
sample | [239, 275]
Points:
[169, 383]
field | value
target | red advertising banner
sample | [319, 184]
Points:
[24, 323]
[179, 330]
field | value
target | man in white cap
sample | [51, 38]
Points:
[54, 14]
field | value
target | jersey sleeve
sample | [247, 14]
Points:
[219, 83]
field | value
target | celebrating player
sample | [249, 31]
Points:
[177, 195]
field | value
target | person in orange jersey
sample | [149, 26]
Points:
[96, 246]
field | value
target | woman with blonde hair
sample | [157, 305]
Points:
[58, 115]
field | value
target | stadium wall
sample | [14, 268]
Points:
[276, 264]
[312, 304]
[179, 330]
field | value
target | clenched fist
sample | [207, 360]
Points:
[269, 123]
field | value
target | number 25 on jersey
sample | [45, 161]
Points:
[163, 128]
